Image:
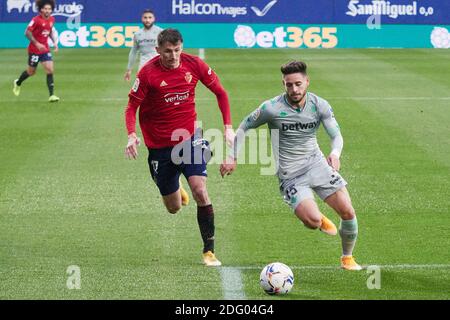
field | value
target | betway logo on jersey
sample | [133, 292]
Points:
[176, 97]
[381, 8]
[298, 126]
[193, 7]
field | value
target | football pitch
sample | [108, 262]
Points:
[69, 198]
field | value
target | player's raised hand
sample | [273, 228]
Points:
[229, 135]
[131, 149]
[334, 162]
[228, 166]
[127, 75]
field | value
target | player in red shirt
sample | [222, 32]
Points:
[39, 29]
[164, 92]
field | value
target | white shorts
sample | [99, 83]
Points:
[321, 178]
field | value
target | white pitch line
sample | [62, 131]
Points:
[232, 283]
[233, 286]
[386, 266]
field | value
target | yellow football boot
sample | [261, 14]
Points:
[53, 98]
[184, 195]
[328, 226]
[349, 263]
[16, 88]
[210, 260]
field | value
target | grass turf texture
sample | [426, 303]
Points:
[68, 196]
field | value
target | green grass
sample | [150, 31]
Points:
[68, 196]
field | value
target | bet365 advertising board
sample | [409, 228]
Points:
[242, 24]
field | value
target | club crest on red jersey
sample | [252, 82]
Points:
[188, 77]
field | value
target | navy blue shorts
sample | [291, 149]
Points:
[188, 158]
[34, 59]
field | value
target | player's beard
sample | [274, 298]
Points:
[148, 26]
[295, 99]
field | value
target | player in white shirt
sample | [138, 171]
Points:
[144, 42]
[301, 166]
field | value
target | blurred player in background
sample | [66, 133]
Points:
[164, 92]
[38, 31]
[302, 167]
[144, 42]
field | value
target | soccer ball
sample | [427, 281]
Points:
[276, 278]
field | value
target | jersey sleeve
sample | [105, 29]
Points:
[206, 74]
[32, 25]
[327, 118]
[331, 127]
[258, 117]
[140, 87]
[137, 94]
[133, 53]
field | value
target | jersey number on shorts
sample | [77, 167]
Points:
[290, 192]
[155, 166]
[34, 59]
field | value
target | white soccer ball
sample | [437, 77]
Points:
[440, 38]
[244, 36]
[276, 278]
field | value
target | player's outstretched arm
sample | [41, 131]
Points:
[137, 93]
[127, 75]
[257, 118]
[228, 166]
[130, 122]
[224, 106]
[54, 36]
[131, 59]
[133, 142]
[230, 163]
[229, 135]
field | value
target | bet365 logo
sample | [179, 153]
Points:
[290, 37]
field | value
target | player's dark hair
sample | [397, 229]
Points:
[148, 11]
[172, 36]
[42, 3]
[294, 67]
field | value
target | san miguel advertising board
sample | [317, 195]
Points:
[243, 24]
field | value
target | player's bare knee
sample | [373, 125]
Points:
[173, 209]
[310, 218]
[314, 222]
[311, 222]
[31, 72]
[200, 195]
[348, 213]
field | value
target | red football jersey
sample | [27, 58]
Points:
[41, 29]
[167, 99]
